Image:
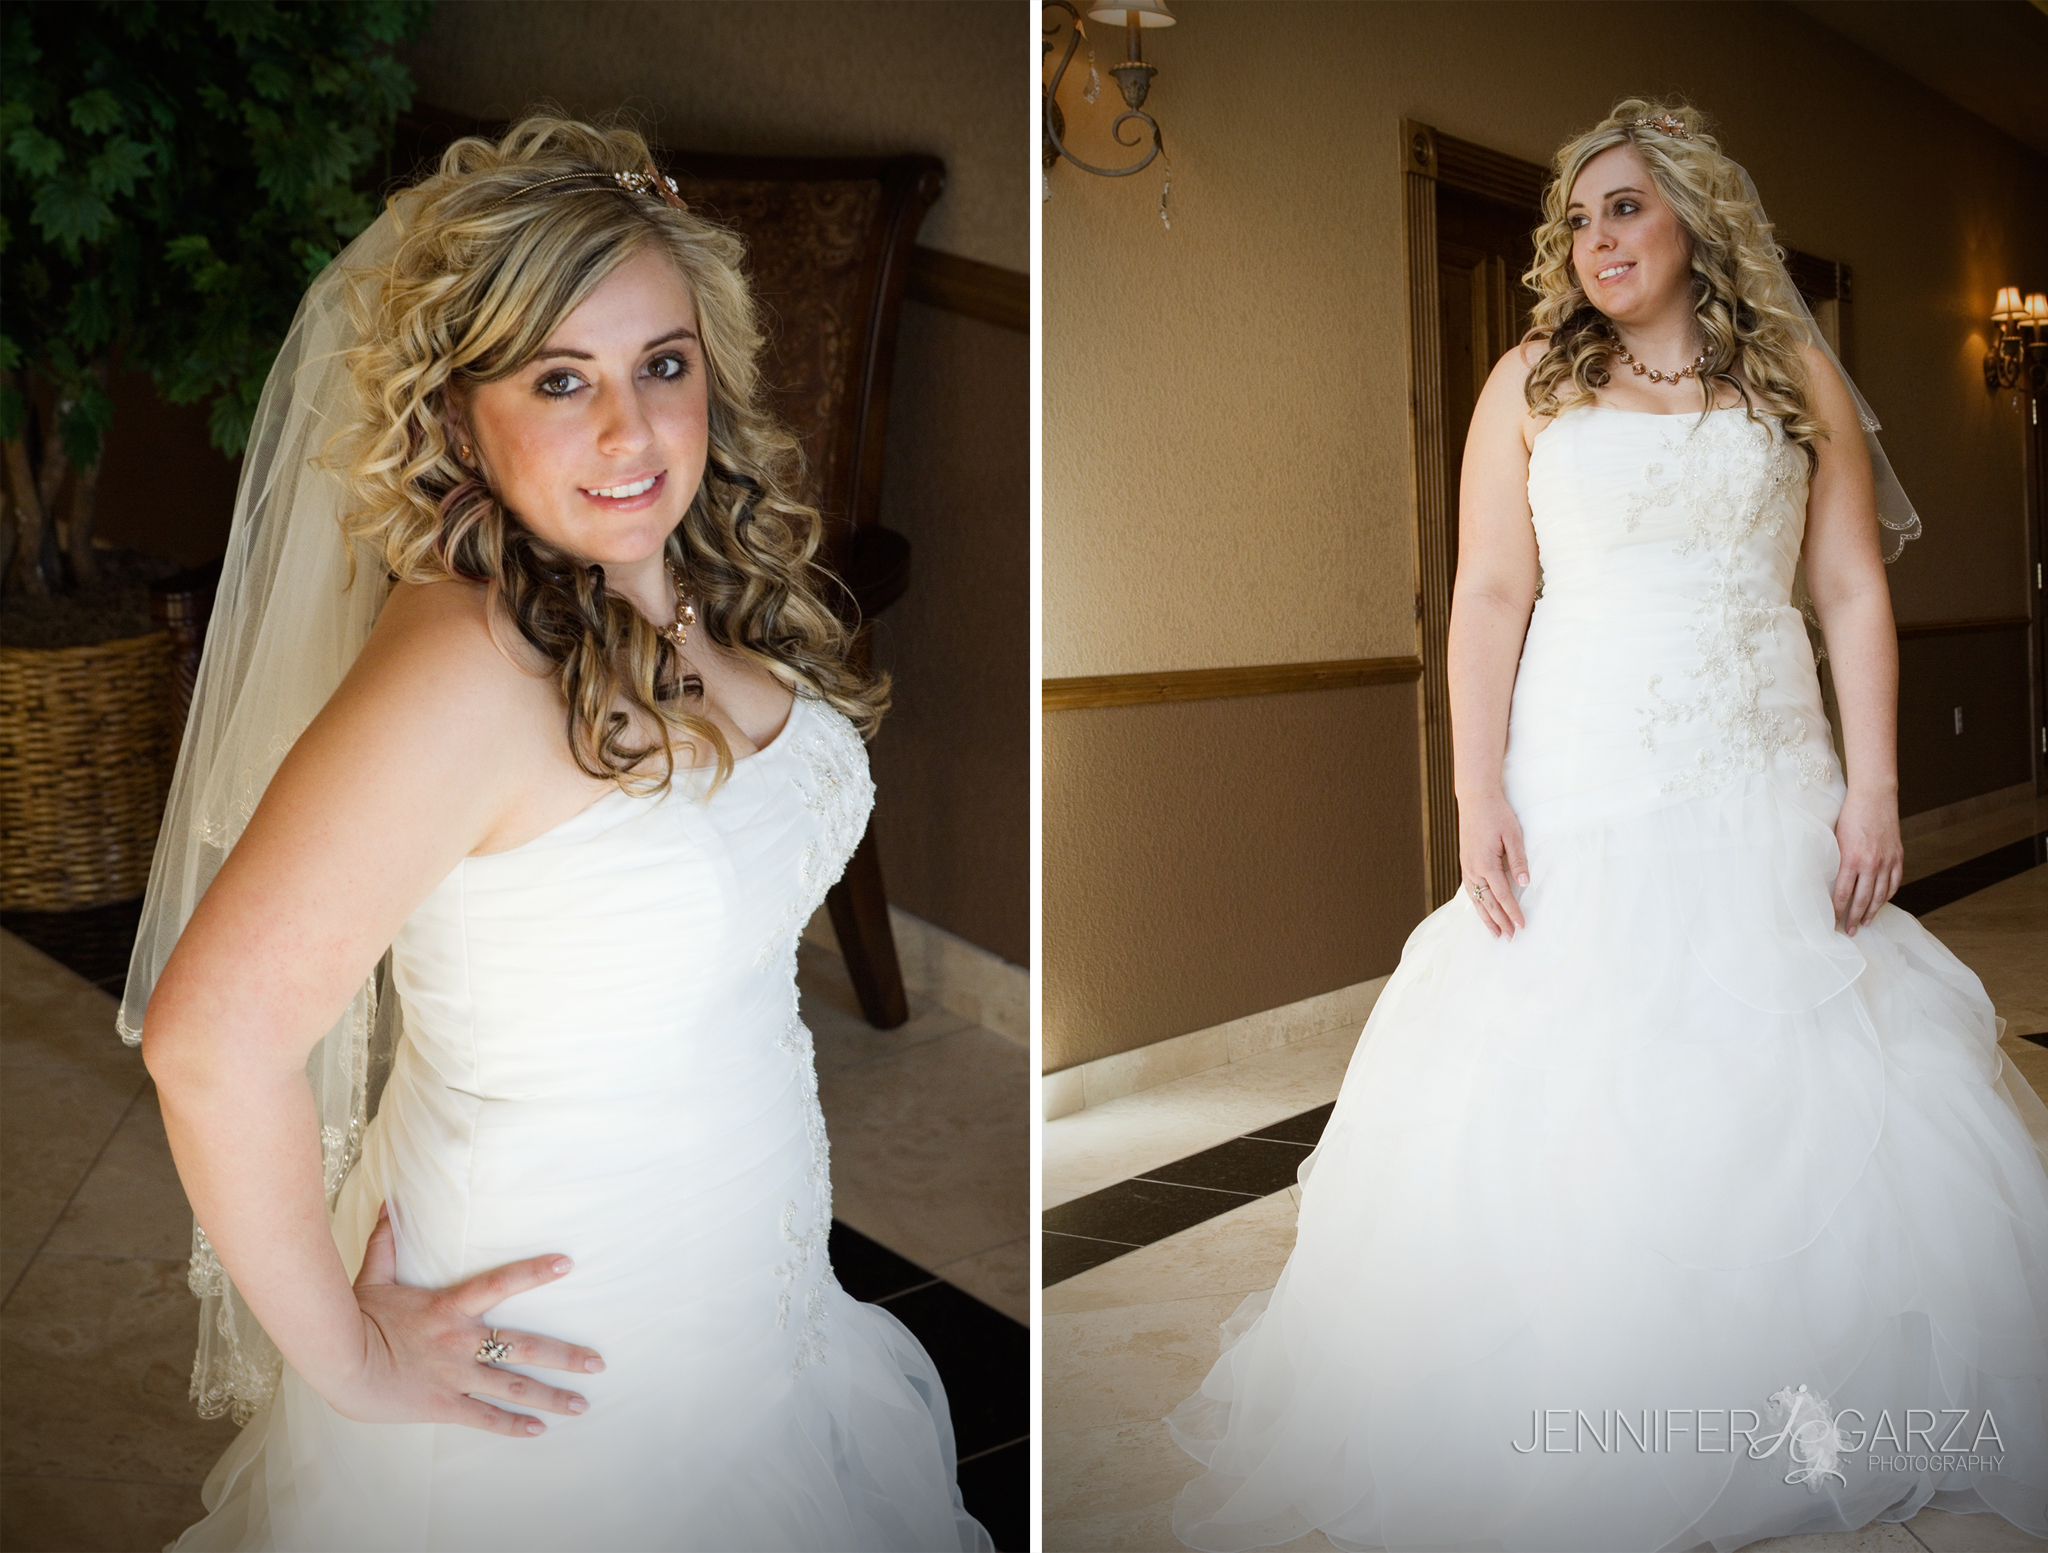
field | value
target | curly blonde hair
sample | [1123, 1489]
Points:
[1741, 295]
[488, 266]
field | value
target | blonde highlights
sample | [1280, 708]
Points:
[488, 266]
[1741, 295]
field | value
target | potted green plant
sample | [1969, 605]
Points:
[171, 176]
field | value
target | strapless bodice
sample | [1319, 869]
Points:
[651, 935]
[1664, 657]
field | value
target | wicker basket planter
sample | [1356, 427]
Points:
[85, 763]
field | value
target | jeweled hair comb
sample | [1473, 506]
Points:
[1666, 124]
[655, 185]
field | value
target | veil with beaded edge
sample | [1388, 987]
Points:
[287, 624]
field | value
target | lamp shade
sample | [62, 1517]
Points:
[2037, 309]
[1146, 13]
[2009, 309]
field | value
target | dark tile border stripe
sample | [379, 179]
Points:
[1951, 884]
[1104, 1225]
[984, 1359]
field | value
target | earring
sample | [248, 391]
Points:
[465, 453]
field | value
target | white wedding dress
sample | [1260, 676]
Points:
[602, 1057]
[1675, 1148]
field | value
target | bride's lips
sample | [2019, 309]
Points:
[1627, 269]
[646, 498]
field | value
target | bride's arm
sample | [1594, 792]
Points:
[395, 781]
[1845, 576]
[1491, 600]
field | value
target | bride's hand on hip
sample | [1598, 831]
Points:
[1493, 860]
[1873, 857]
[421, 1349]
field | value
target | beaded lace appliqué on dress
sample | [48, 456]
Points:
[1728, 490]
[833, 782]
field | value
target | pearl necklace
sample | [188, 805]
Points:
[1656, 376]
[679, 633]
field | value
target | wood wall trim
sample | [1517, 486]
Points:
[1493, 174]
[985, 291]
[1964, 627]
[1265, 679]
[1423, 153]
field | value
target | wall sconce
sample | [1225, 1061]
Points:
[2018, 357]
[1133, 76]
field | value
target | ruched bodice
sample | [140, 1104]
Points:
[1676, 1149]
[602, 1056]
[628, 976]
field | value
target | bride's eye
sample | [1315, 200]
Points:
[558, 385]
[1574, 222]
[669, 368]
[1626, 207]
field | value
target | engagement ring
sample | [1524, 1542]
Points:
[493, 1350]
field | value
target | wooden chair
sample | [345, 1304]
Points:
[829, 243]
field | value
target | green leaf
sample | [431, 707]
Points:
[191, 249]
[85, 422]
[90, 318]
[119, 165]
[97, 111]
[34, 152]
[270, 80]
[10, 354]
[70, 213]
[228, 425]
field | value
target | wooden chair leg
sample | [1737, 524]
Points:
[860, 916]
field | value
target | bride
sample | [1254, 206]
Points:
[526, 744]
[1678, 1194]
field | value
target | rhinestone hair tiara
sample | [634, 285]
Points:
[1666, 124]
[654, 185]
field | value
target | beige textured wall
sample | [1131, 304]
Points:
[773, 77]
[1268, 853]
[1236, 855]
[1227, 469]
[953, 760]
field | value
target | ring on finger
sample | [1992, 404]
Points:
[1478, 889]
[493, 1351]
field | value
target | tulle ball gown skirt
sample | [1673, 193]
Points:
[1680, 1219]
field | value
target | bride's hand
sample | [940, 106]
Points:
[1873, 857]
[420, 1348]
[1489, 851]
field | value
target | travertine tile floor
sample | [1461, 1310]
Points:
[1127, 1341]
[99, 1448]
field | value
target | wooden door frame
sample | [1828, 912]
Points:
[1428, 159]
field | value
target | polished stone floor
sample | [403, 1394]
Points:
[99, 1447]
[1128, 1337]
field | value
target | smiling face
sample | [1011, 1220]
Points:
[598, 443]
[1630, 251]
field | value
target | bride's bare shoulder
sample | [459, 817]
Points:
[435, 667]
[1502, 414]
[449, 629]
